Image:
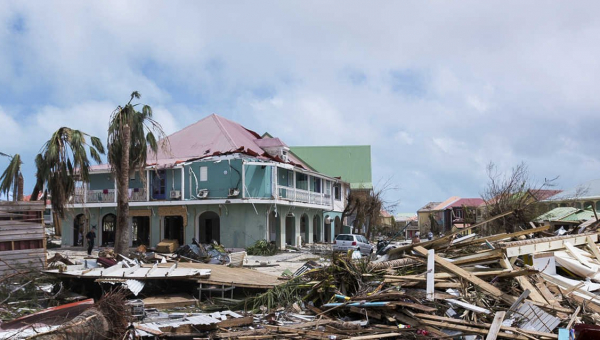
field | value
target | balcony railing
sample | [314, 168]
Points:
[107, 195]
[304, 196]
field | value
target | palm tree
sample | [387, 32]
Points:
[131, 135]
[63, 160]
[12, 178]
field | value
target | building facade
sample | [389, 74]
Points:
[217, 181]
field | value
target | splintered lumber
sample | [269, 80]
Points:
[236, 322]
[467, 276]
[573, 317]
[499, 237]
[593, 247]
[393, 264]
[479, 257]
[241, 333]
[538, 245]
[485, 326]
[415, 306]
[397, 252]
[376, 336]
[321, 322]
[282, 329]
[471, 330]
[496, 324]
[524, 283]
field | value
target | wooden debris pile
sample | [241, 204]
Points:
[491, 287]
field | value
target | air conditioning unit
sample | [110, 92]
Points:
[175, 194]
[233, 192]
[202, 193]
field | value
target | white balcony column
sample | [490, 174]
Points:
[183, 183]
[243, 188]
[294, 185]
[280, 220]
[147, 186]
[297, 235]
[115, 191]
[309, 226]
[275, 183]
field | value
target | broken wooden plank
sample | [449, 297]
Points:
[593, 247]
[496, 324]
[471, 330]
[467, 276]
[484, 326]
[376, 336]
[573, 317]
[430, 275]
[499, 237]
[236, 322]
[524, 283]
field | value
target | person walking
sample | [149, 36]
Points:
[90, 237]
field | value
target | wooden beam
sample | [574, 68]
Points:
[593, 247]
[496, 324]
[573, 317]
[499, 237]
[524, 283]
[468, 276]
[430, 275]
[484, 326]
[472, 330]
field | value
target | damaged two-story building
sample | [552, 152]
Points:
[217, 181]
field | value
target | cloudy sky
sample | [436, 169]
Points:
[437, 89]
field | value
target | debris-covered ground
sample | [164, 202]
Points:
[525, 285]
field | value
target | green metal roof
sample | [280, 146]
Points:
[580, 215]
[351, 163]
[556, 214]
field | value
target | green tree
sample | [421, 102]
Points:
[62, 161]
[12, 178]
[132, 135]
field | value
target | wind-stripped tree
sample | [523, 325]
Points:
[62, 161]
[132, 135]
[12, 178]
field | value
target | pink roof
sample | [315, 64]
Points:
[467, 202]
[270, 142]
[444, 204]
[214, 135]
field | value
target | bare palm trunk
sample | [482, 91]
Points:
[20, 188]
[122, 232]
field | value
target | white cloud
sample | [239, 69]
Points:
[514, 82]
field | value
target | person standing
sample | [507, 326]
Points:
[90, 237]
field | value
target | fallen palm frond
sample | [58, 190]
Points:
[262, 248]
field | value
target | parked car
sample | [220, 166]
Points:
[344, 242]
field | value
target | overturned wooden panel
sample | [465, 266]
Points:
[22, 236]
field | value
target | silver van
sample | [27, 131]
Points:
[344, 242]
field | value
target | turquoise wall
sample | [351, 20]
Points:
[258, 181]
[221, 177]
[240, 224]
[101, 181]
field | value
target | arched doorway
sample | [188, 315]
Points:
[79, 227]
[304, 228]
[109, 223]
[338, 226]
[273, 228]
[290, 229]
[317, 237]
[209, 227]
